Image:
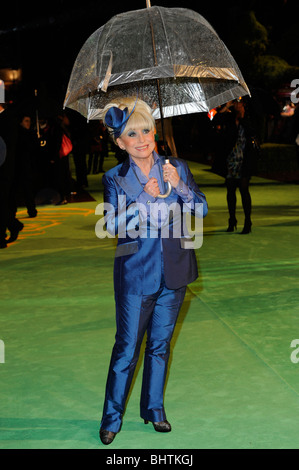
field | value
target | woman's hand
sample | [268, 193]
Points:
[152, 187]
[170, 175]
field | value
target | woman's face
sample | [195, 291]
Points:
[139, 143]
[26, 122]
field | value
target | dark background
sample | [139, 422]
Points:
[44, 38]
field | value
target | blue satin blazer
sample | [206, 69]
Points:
[138, 259]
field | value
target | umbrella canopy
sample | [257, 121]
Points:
[177, 46]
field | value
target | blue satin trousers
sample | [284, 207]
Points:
[156, 315]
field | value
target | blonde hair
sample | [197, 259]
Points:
[140, 118]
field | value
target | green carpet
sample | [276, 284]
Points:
[231, 384]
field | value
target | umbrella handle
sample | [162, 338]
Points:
[168, 191]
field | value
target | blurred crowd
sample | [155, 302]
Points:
[275, 121]
[35, 162]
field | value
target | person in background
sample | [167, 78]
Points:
[60, 165]
[8, 219]
[26, 164]
[79, 132]
[236, 151]
[98, 147]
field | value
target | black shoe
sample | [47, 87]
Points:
[107, 436]
[232, 225]
[246, 228]
[32, 214]
[3, 244]
[161, 426]
[15, 233]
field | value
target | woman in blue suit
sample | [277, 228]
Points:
[153, 260]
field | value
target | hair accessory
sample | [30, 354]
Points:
[117, 119]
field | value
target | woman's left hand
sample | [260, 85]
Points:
[170, 175]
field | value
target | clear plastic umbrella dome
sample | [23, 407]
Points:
[177, 46]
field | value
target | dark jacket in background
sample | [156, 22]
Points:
[8, 132]
[224, 138]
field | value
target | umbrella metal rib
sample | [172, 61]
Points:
[158, 83]
[168, 191]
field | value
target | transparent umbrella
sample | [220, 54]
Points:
[171, 58]
[174, 48]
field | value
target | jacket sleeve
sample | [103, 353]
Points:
[198, 196]
[121, 213]
[111, 206]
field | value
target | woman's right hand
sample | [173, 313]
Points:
[152, 187]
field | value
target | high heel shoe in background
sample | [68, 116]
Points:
[161, 426]
[247, 227]
[232, 225]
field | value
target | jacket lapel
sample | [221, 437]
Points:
[128, 181]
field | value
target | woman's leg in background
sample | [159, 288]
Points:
[231, 186]
[246, 203]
